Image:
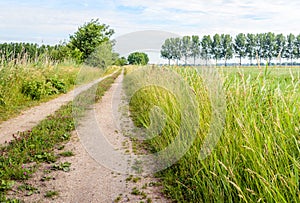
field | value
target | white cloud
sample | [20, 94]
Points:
[55, 20]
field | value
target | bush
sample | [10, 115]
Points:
[37, 89]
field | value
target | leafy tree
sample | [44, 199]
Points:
[269, 46]
[206, 48]
[261, 38]
[290, 48]
[297, 47]
[227, 47]
[176, 52]
[59, 52]
[102, 57]
[251, 46]
[240, 46]
[167, 50]
[280, 46]
[195, 48]
[186, 48]
[138, 58]
[121, 61]
[216, 48]
[88, 38]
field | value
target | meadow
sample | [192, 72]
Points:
[257, 158]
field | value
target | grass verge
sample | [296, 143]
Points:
[20, 158]
[23, 84]
[257, 158]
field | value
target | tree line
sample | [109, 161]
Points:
[30, 51]
[265, 46]
[90, 44]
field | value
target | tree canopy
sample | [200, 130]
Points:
[88, 37]
[138, 58]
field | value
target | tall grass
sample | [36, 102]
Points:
[24, 84]
[257, 158]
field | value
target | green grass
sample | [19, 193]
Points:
[38, 145]
[51, 194]
[24, 84]
[257, 158]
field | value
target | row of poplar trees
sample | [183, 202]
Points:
[255, 47]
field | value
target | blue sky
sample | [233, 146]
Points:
[53, 21]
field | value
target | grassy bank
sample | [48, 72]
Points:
[21, 157]
[24, 84]
[257, 158]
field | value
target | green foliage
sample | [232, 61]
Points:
[227, 47]
[32, 52]
[206, 46]
[87, 38]
[185, 48]
[290, 47]
[62, 167]
[254, 46]
[121, 61]
[257, 156]
[240, 46]
[167, 50]
[37, 89]
[26, 84]
[195, 47]
[216, 47]
[51, 194]
[102, 57]
[138, 58]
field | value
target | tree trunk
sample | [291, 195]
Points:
[194, 60]
[169, 62]
[280, 60]
[185, 60]
[240, 60]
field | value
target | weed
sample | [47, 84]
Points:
[135, 191]
[29, 188]
[46, 178]
[51, 194]
[67, 154]
[61, 166]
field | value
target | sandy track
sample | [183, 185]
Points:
[88, 180]
[33, 116]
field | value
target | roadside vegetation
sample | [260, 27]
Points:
[21, 157]
[31, 73]
[257, 157]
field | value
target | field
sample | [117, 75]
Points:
[257, 158]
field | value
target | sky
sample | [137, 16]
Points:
[52, 22]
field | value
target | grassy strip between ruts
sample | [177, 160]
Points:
[21, 157]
